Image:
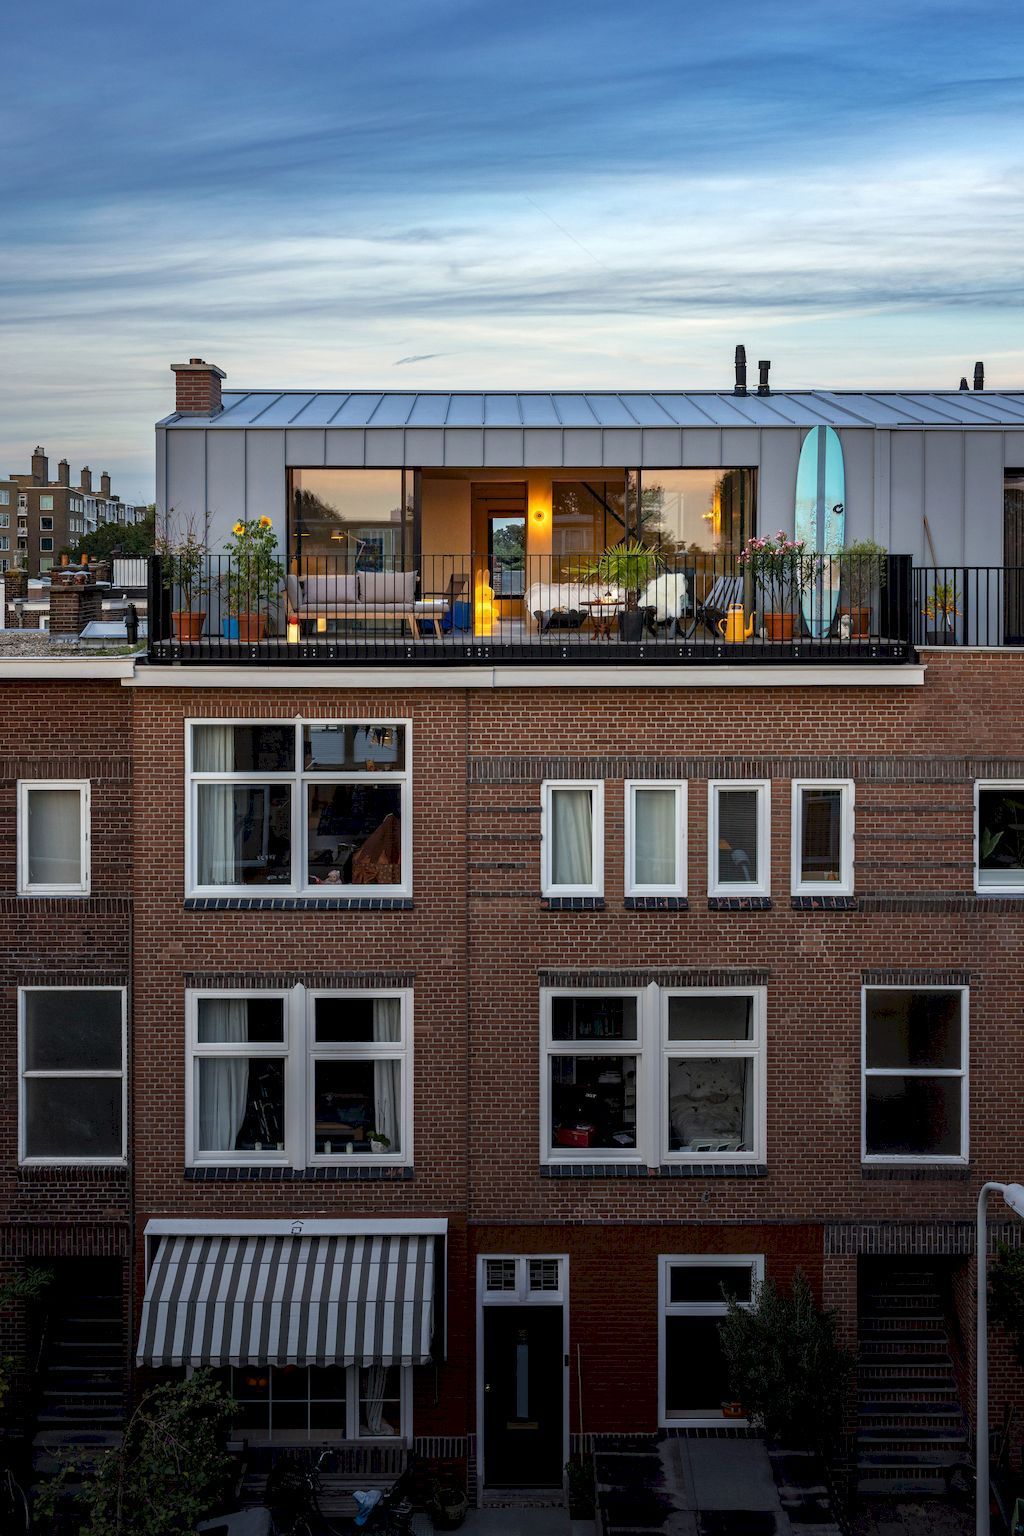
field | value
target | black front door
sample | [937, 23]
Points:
[523, 1384]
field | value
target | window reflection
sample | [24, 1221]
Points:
[351, 519]
[689, 511]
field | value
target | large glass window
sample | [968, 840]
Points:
[298, 1077]
[713, 1051]
[999, 837]
[283, 1404]
[822, 837]
[299, 808]
[691, 511]
[72, 1074]
[915, 1074]
[572, 834]
[586, 517]
[53, 838]
[655, 838]
[594, 1051]
[738, 838]
[693, 1291]
[352, 519]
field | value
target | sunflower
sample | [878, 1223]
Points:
[238, 530]
[265, 522]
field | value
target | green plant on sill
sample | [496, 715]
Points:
[380, 1138]
[628, 566]
[865, 570]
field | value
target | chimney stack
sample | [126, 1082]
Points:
[40, 467]
[963, 382]
[105, 485]
[63, 473]
[197, 388]
[86, 481]
[762, 383]
[741, 371]
[979, 375]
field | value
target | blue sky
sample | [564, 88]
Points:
[458, 193]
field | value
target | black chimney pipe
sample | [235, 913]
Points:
[741, 371]
[963, 382]
[762, 383]
[979, 375]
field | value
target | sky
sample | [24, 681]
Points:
[460, 194]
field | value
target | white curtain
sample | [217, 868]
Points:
[654, 833]
[374, 1385]
[737, 835]
[572, 849]
[223, 1080]
[54, 837]
[215, 753]
[387, 1023]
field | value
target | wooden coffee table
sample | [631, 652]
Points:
[602, 616]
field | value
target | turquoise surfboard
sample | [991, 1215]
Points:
[821, 521]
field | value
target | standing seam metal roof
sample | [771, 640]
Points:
[444, 409]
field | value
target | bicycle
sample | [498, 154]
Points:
[15, 1517]
[293, 1495]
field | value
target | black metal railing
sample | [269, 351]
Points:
[969, 605]
[676, 607]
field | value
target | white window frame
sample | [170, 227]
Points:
[917, 1159]
[844, 885]
[666, 1309]
[5, 498]
[298, 1050]
[763, 885]
[46, 544]
[523, 1295]
[370, 1050]
[548, 789]
[632, 886]
[117, 1161]
[5, 518]
[46, 505]
[298, 779]
[81, 887]
[549, 1048]
[753, 1050]
[989, 888]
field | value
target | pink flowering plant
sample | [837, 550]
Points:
[780, 567]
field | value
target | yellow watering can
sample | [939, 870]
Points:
[731, 627]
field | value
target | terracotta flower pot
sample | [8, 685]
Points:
[860, 622]
[188, 626]
[252, 627]
[778, 626]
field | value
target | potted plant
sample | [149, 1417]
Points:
[628, 566]
[379, 1143]
[865, 567]
[254, 575]
[942, 611]
[447, 1505]
[185, 573]
[778, 566]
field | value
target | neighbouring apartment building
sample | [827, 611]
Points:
[471, 995]
[47, 515]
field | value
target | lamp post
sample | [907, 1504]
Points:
[1013, 1194]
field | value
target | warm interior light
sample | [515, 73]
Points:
[538, 514]
[483, 605]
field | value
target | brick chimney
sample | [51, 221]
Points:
[40, 467]
[105, 484]
[197, 388]
[85, 483]
[63, 473]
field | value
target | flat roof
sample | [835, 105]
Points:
[442, 410]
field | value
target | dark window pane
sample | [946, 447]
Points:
[357, 1020]
[243, 748]
[254, 1020]
[352, 1100]
[707, 1282]
[737, 836]
[327, 1382]
[710, 1017]
[593, 1101]
[241, 1104]
[73, 1031]
[696, 1376]
[586, 516]
[73, 1117]
[593, 1018]
[351, 748]
[289, 1383]
[820, 824]
[711, 1104]
[913, 1029]
[1001, 836]
[913, 1116]
[244, 834]
[355, 834]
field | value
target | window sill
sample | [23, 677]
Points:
[273, 1173]
[823, 903]
[598, 1170]
[594, 1170]
[714, 1170]
[739, 903]
[956, 1173]
[60, 1172]
[298, 904]
[656, 904]
[572, 903]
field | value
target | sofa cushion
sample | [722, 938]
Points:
[387, 586]
[324, 590]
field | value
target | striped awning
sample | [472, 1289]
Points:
[282, 1300]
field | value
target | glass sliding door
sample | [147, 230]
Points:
[346, 520]
[697, 511]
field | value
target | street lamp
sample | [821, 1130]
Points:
[1013, 1194]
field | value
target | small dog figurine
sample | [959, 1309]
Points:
[844, 626]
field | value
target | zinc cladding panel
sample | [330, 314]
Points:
[385, 447]
[859, 460]
[304, 447]
[503, 446]
[465, 411]
[272, 1300]
[186, 475]
[538, 411]
[464, 448]
[266, 489]
[283, 410]
[225, 477]
[391, 411]
[345, 448]
[662, 447]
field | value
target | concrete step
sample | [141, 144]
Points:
[882, 1461]
[886, 1301]
[901, 1328]
[907, 1483]
[917, 1348]
[872, 1414]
